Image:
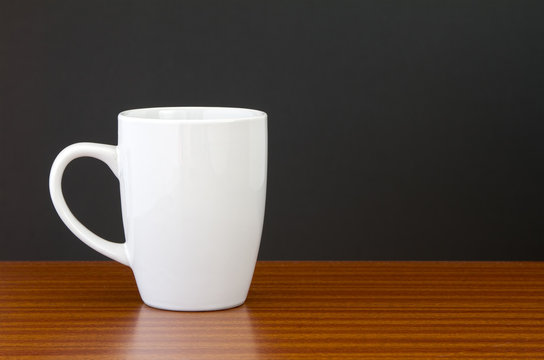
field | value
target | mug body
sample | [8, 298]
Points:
[193, 187]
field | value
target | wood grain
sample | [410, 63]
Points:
[295, 310]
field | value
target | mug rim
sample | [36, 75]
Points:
[153, 114]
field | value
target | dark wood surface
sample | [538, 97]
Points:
[295, 310]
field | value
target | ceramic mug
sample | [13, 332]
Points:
[193, 188]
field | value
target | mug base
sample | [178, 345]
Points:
[170, 307]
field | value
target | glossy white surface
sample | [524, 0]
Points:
[193, 187]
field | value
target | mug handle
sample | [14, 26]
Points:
[105, 153]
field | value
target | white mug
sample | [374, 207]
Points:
[193, 190]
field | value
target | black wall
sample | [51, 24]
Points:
[397, 129]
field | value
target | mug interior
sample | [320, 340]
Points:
[193, 113]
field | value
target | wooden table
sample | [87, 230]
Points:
[295, 310]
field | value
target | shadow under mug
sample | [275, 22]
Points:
[193, 191]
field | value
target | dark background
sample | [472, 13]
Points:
[397, 129]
